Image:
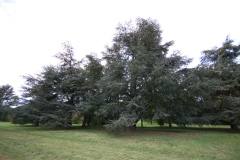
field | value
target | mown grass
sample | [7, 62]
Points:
[36, 143]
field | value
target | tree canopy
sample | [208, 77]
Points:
[7, 100]
[225, 101]
[137, 78]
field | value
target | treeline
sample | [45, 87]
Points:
[136, 79]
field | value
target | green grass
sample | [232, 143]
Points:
[35, 143]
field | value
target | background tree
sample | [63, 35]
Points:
[225, 101]
[40, 93]
[70, 88]
[92, 100]
[7, 99]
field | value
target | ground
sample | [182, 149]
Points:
[28, 142]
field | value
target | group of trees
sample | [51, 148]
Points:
[136, 79]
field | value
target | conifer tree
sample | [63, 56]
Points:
[224, 63]
[139, 77]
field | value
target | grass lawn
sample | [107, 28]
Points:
[35, 143]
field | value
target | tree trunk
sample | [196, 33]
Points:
[133, 127]
[69, 119]
[234, 126]
[89, 120]
[141, 122]
[37, 122]
[84, 121]
[169, 122]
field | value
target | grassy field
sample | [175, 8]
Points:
[31, 143]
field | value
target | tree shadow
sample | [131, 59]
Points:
[190, 129]
[144, 130]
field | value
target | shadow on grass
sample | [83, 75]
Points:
[50, 128]
[190, 129]
[146, 130]
[224, 130]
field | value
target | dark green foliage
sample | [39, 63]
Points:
[92, 100]
[26, 114]
[225, 101]
[125, 121]
[7, 96]
[53, 95]
[140, 78]
[59, 92]
[7, 100]
[6, 113]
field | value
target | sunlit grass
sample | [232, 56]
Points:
[28, 143]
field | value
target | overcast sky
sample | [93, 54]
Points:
[31, 31]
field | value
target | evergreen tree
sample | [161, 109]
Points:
[7, 99]
[53, 94]
[92, 100]
[225, 101]
[139, 76]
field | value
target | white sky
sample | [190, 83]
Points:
[31, 31]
